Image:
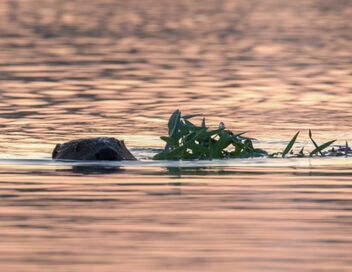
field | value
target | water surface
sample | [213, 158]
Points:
[71, 69]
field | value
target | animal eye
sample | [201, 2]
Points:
[56, 151]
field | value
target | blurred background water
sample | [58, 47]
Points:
[71, 69]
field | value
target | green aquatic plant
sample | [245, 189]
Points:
[318, 148]
[188, 141]
[290, 145]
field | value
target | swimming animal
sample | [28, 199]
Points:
[100, 148]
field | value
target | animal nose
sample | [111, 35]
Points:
[106, 154]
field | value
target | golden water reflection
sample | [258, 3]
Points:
[174, 219]
[72, 68]
[80, 68]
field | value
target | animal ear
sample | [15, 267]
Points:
[118, 142]
[55, 151]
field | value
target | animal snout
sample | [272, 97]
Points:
[106, 154]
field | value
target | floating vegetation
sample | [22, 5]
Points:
[187, 141]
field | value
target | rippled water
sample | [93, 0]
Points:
[71, 69]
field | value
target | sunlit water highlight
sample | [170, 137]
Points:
[72, 69]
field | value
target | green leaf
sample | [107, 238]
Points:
[165, 139]
[211, 150]
[189, 116]
[321, 147]
[188, 137]
[290, 145]
[160, 156]
[240, 134]
[260, 152]
[175, 154]
[203, 123]
[196, 148]
[249, 145]
[190, 125]
[301, 152]
[208, 134]
[224, 141]
[315, 144]
[347, 148]
[173, 123]
[217, 150]
[238, 150]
